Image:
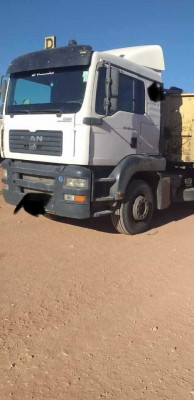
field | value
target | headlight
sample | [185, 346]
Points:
[78, 183]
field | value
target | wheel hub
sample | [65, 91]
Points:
[140, 208]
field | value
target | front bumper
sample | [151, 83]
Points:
[26, 177]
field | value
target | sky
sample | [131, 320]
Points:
[104, 25]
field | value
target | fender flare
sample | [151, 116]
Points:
[129, 166]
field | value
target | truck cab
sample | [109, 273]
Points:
[79, 125]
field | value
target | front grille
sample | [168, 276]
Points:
[36, 179]
[42, 179]
[39, 142]
[25, 190]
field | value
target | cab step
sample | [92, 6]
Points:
[105, 180]
[101, 213]
[107, 198]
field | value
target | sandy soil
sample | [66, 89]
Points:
[87, 313]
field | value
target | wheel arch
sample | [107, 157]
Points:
[136, 167]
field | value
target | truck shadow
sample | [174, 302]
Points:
[102, 224]
[176, 212]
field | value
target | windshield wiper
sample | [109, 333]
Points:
[48, 111]
[18, 112]
[25, 111]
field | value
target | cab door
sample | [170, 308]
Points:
[118, 135]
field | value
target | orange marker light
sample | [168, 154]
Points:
[80, 199]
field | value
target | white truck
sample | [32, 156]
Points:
[85, 129]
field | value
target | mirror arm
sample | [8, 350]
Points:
[108, 83]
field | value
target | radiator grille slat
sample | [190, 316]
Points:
[39, 142]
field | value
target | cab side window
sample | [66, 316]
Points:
[101, 91]
[131, 94]
[139, 95]
[125, 97]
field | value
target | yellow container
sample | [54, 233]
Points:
[178, 140]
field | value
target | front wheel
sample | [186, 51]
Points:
[134, 214]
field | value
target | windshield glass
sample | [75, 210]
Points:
[49, 92]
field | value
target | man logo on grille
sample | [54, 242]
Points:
[33, 142]
[32, 146]
[36, 138]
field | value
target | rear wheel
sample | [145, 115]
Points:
[134, 214]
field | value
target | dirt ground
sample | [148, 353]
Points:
[87, 313]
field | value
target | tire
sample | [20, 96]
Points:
[134, 214]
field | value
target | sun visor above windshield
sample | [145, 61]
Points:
[60, 57]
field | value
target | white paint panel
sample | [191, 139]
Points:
[111, 141]
[73, 153]
[149, 139]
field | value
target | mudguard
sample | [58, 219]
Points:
[129, 166]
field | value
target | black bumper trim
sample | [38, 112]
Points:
[57, 205]
[44, 187]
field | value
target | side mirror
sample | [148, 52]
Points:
[113, 105]
[3, 88]
[114, 82]
[156, 92]
[112, 89]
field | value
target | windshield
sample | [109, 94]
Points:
[58, 91]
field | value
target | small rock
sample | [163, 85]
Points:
[192, 392]
[12, 365]
[64, 353]
[155, 328]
